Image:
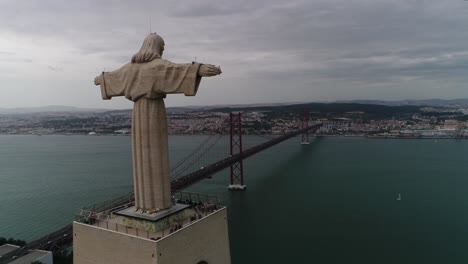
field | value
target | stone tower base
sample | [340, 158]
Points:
[205, 239]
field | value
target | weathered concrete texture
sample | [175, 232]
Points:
[147, 84]
[93, 245]
[44, 257]
[146, 81]
[150, 155]
[7, 248]
[130, 212]
[206, 239]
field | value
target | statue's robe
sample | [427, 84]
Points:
[147, 84]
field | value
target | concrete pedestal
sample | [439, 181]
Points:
[205, 239]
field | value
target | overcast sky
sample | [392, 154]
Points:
[269, 51]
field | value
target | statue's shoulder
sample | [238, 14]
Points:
[163, 61]
[159, 63]
[127, 65]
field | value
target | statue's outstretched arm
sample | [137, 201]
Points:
[98, 80]
[208, 70]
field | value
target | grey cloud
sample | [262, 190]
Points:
[92, 49]
[205, 8]
[6, 53]
[55, 69]
[440, 67]
[334, 43]
[16, 60]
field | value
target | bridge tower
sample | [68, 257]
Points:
[237, 169]
[304, 124]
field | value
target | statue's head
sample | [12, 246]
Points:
[152, 48]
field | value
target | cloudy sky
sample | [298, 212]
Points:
[269, 50]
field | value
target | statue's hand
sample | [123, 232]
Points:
[97, 80]
[208, 70]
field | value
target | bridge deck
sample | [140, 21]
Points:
[63, 237]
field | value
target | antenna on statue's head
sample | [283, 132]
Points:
[150, 23]
[150, 8]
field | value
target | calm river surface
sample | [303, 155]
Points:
[334, 201]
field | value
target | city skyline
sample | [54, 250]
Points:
[270, 52]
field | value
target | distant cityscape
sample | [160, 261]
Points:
[346, 119]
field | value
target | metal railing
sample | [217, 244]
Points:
[184, 197]
[201, 205]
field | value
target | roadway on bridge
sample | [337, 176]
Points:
[62, 238]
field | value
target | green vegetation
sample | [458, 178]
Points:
[63, 257]
[12, 241]
[462, 118]
[328, 110]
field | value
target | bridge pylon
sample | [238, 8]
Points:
[237, 169]
[304, 124]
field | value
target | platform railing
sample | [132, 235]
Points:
[201, 205]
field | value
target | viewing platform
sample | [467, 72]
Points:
[177, 235]
[188, 208]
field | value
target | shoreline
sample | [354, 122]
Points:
[312, 136]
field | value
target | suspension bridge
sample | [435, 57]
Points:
[199, 164]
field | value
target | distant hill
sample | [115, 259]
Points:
[428, 102]
[48, 109]
[72, 109]
[326, 108]
[347, 106]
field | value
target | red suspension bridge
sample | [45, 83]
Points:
[213, 155]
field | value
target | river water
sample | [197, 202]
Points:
[333, 201]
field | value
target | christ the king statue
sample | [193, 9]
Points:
[146, 80]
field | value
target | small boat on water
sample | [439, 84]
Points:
[399, 197]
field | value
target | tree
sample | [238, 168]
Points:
[12, 241]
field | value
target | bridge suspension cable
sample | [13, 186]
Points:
[199, 155]
[62, 237]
